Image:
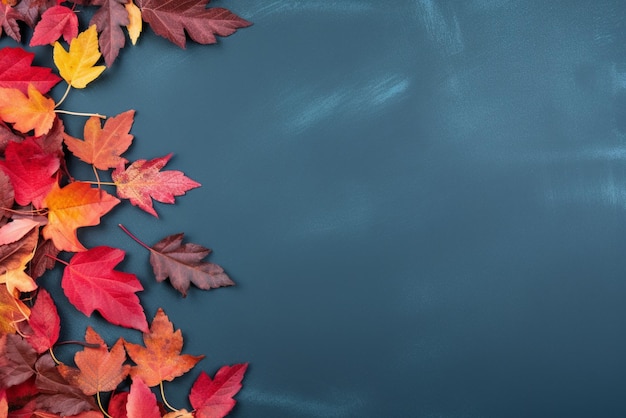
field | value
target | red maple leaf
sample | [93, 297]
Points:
[143, 181]
[213, 398]
[17, 72]
[31, 171]
[141, 402]
[44, 324]
[170, 19]
[109, 19]
[55, 22]
[91, 284]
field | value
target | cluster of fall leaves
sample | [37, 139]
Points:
[42, 206]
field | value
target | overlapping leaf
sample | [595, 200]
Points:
[78, 65]
[212, 398]
[32, 112]
[73, 206]
[55, 22]
[143, 181]
[171, 19]
[91, 284]
[109, 20]
[160, 358]
[98, 369]
[43, 326]
[8, 21]
[12, 311]
[31, 171]
[13, 259]
[103, 146]
[17, 71]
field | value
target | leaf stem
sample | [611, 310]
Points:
[56, 360]
[165, 400]
[57, 259]
[99, 183]
[95, 172]
[100, 406]
[69, 86]
[68, 112]
[134, 237]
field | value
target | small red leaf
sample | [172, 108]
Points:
[17, 72]
[44, 323]
[213, 398]
[141, 402]
[55, 22]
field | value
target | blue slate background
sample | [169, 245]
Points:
[422, 203]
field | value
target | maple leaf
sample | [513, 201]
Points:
[109, 19]
[8, 21]
[55, 22]
[141, 402]
[102, 147]
[143, 181]
[71, 207]
[44, 324]
[213, 398]
[57, 394]
[90, 283]
[117, 404]
[44, 258]
[7, 136]
[17, 360]
[77, 66]
[31, 171]
[160, 359]
[52, 141]
[13, 259]
[12, 311]
[31, 10]
[17, 71]
[15, 230]
[99, 370]
[170, 19]
[26, 113]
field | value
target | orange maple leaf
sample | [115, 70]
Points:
[35, 112]
[102, 147]
[99, 370]
[160, 359]
[13, 258]
[71, 207]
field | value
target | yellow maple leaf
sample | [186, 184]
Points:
[135, 26]
[27, 113]
[78, 65]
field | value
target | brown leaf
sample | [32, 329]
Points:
[17, 359]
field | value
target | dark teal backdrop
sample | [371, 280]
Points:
[422, 203]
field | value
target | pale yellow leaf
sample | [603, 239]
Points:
[135, 25]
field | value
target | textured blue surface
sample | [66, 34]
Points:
[422, 203]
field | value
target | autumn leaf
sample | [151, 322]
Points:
[55, 22]
[17, 360]
[8, 20]
[170, 19]
[141, 402]
[181, 413]
[103, 146]
[135, 24]
[73, 206]
[4, 404]
[15, 230]
[57, 395]
[183, 264]
[7, 196]
[43, 326]
[13, 259]
[98, 369]
[12, 311]
[44, 258]
[109, 19]
[30, 170]
[31, 10]
[213, 398]
[91, 284]
[26, 113]
[7, 136]
[77, 66]
[143, 181]
[17, 71]
[160, 359]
